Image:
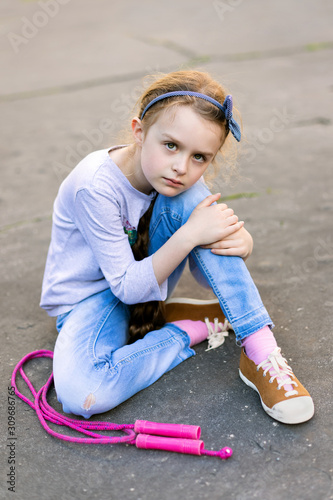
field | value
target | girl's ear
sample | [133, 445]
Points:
[137, 131]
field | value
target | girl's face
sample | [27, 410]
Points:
[176, 150]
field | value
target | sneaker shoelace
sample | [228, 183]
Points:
[278, 369]
[218, 333]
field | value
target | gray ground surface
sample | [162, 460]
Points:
[67, 67]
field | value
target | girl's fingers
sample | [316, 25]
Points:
[231, 219]
[228, 252]
[227, 232]
[233, 228]
[224, 244]
[206, 202]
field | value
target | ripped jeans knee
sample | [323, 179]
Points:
[86, 393]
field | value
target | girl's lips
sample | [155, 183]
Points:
[172, 182]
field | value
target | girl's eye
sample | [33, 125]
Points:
[199, 157]
[171, 146]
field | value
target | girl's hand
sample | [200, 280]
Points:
[209, 224]
[239, 244]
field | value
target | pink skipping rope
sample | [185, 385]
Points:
[144, 434]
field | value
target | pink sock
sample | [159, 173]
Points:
[196, 330]
[258, 347]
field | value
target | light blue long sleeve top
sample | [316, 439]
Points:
[89, 250]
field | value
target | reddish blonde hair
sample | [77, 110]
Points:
[193, 81]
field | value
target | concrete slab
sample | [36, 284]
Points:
[67, 90]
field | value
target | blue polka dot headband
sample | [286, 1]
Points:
[226, 108]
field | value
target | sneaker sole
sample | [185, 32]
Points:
[185, 300]
[276, 413]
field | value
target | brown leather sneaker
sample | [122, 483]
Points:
[194, 309]
[289, 407]
[200, 310]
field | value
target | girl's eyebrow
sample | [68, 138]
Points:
[172, 139]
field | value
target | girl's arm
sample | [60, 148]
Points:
[207, 224]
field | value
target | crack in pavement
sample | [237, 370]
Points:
[23, 223]
[193, 60]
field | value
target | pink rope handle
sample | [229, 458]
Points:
[46, 413]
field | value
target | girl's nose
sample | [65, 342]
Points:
[180, 166]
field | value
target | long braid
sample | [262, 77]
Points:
[146, 316]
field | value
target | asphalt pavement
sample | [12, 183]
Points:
[71, 73]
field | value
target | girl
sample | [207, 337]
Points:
[125, 222]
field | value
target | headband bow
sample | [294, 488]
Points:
[226, 108]
[232, 124]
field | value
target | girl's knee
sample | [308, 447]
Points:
[174, 211]
[70, 396]
[86, 403]
[87, 396]
[190, 198]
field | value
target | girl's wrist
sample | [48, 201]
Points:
[187, 237]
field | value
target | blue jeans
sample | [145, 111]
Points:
[94, 368]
